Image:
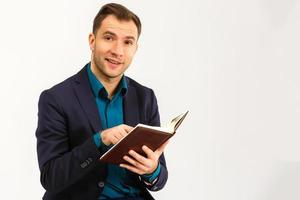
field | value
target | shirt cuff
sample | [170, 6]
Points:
[97, 139]
[151, 177]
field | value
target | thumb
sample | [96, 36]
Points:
[160, 150]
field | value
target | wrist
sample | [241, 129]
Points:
[151, 177]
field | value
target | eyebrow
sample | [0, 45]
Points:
[113, 34]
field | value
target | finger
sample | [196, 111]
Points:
[135, 163]
[161, 148]
[123, 133]
[127, 128]
[138, 157]
[150, 154]
[119, 135]
[133, 169]
[114, 140]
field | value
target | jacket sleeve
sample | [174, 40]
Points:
[59, 165]
[154, 120]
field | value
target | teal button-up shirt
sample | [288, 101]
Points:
[111, 114]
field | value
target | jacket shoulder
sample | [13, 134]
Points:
[65, 87]
[137, 86]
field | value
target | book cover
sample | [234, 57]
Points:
[151, 136]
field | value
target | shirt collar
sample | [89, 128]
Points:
[98, 88]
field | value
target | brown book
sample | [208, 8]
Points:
[151, 136]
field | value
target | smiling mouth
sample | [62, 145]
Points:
[112, 61]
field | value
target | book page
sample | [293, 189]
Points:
[165, 129]
[174, 124]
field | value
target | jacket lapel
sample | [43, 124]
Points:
[86, 99]
[131, 106]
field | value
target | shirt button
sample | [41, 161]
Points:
[101, 184]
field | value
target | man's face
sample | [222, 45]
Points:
[113, 47]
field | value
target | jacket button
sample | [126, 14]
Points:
[83, 165]
[101, 184]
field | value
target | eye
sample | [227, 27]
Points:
[108, 37]
[128, 42]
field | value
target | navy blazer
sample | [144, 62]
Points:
[67, 120]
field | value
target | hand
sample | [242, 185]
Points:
[142, 165]
[114, 134]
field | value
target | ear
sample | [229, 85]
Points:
[92, 41]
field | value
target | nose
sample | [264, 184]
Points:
[117, 49]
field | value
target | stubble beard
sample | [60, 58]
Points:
[99, 64]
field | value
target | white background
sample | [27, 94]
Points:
[234, 64]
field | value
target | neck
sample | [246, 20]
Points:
[110, 83]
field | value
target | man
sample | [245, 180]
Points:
[82, 117]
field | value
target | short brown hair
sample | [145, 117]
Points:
[120, 12]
